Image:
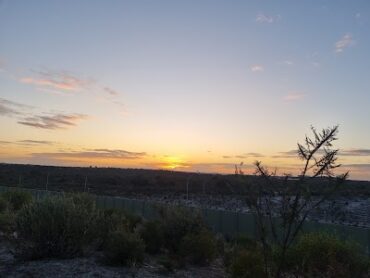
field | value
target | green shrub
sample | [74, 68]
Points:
[4, 204]
[247, 264]
[124, 248]
[133, 220]
[152, 234]
[108, 221]
[7, 222]
[200, 248]
[54, 227]
[84, 201]
[177, 223]
[324, 255]
[16, 198]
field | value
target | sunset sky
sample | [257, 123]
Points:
[193, 85]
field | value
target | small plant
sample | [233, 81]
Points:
[16, 198]
[109, 220]
[324, 255]
[247, 264]
[152, 234]
[200, 248]
[7, 222]
[4, 204]
[54, 227]
[177, 223]
[124, 248]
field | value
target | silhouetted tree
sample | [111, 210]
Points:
[282, 204]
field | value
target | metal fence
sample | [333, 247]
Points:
[221, 221]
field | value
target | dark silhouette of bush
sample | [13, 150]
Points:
[177, 223]
[54, 227]
[7, 222]
[16, 198]
[199, 248]
[153, 235]
[4, 204]
[247, 264]
[124, 248]
[325, 255]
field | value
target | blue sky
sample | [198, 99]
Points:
[192, 84]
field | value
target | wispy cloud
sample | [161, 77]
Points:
[35, 142]
[50, 121]
[257, 68]
[25, 116]
[287, 154]
[263, 18]
[355, 152]
[56, 80]
[294, 96]
[243, 156]
[10, 108]
[92, 154]
[345, 42]
[110, 91]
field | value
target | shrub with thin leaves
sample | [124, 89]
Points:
[54, 227]
[177, 223]
[4, 204]
[108, 221]
[247, 264]
[7, 222]
[325, 255]
[124, 248]
[152, 234]
[16, 198]
[199, 248]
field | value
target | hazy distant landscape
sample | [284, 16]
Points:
[350, 204]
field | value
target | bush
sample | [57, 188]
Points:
[84, 201]
[4, 204]
[177, 223]
[247, 264]
[108, 221]
[199, 248]
[54, 227]
[321, 254]
[152, 234]
[16, 198]
[124, 248]
[7, 222]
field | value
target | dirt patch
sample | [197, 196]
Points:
[91, 266]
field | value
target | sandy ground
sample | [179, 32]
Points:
[91, 267]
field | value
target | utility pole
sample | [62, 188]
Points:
[20, 181]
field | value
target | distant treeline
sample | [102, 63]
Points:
[117, 181]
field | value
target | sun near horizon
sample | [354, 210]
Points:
[196, 86]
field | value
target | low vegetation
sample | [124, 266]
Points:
[71, 225]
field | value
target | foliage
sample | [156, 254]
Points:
[16, 198]
[247, 264]
[124, 248]
[281, 206]
[199, 248]
[153, 235]
[177, 223]
[54, 227]
[324, 255]
[109, 220]
[7, 222]
[4, 204]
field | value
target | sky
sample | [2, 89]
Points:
[189, 85]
